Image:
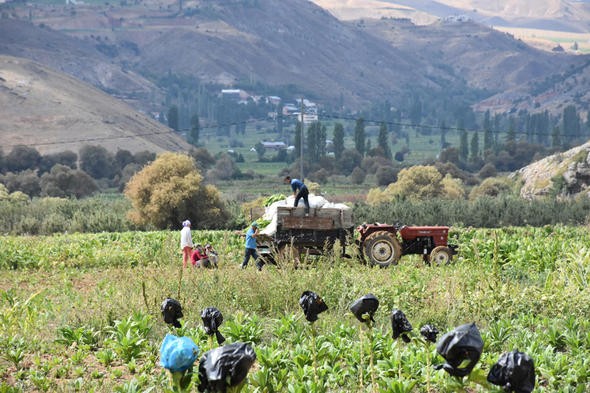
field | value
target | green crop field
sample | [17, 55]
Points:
[81, 312]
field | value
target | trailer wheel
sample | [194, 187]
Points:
[441, 255]
[382, 249]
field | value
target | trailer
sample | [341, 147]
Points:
[298, 234]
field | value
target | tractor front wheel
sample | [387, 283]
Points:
[382, 249]
[441, 255]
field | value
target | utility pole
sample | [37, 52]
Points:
[301, 139]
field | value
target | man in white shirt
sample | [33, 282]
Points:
[186, 242]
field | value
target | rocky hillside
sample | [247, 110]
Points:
[566, 174]
[54, 112]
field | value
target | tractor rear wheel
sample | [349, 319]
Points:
[382, 249]
[441, 255]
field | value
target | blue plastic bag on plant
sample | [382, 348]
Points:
[514, 371]
[400, 325]
[212, 319]
[429, 332]
[171, 311]
[312, 305]
[461, 348]
[178, 353]
[367, 304]
[225, 367]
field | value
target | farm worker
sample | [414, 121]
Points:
[186, 242]
[299, 191]
[199, 257]
[251, 236]
[212, 254]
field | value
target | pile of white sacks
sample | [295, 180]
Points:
[315, 201]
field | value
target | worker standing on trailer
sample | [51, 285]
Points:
[299, 191]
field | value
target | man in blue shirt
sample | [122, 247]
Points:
[251, 235]
[299, 191]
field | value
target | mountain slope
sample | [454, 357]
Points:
[75, 57]
[486, 58]
[561, 15]
[53, 112]
[294, 47]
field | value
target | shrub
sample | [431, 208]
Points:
[170, 190]
[358, 176]
[493, 186]
[386, 175]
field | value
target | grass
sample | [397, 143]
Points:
[97, 327]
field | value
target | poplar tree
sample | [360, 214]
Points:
[338, 140]
[359, 136]
[195, 130]
[382, 140]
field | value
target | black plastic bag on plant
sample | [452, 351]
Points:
[461, 348]
[367, 304]
[400, 325]
[225, 367]
[514, 371]
[312, 305]
[429, 332]
[172, 311]
[212, 319]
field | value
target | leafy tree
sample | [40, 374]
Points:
[297, 142]
[316, 141]
[170, 190]
[67, 158]
[418, 183]
[225, 168]
[416, 111]
[338, 140]
[22, 157]
[463, 146]
[280, 120]
[571, 123]
[555, 137]
[350, 159]
[511, 136]
[474, 147]
[203, 159]
[4, 194]
[487, 171]
[488, 137]
[123, 158]
[195, 130]
[382, 141]
[443, 135]
[260, 150]
[25, 181]
[63, 181]
[359, 136]
[358, 176]
[97, 162]
[144, 157]
[386, 175]
[493, 186]
[173, 118]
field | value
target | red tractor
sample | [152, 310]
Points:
[384, 244]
